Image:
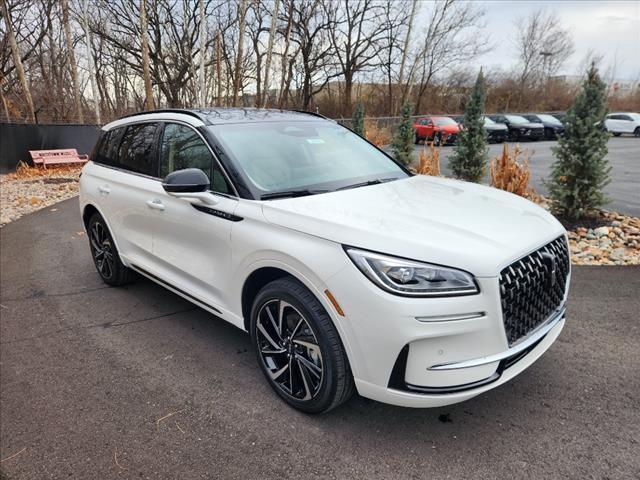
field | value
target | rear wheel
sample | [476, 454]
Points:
[105, 254]
[417, 139]
[298, 348]
[617, 134]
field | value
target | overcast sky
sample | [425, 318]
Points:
[604, 26]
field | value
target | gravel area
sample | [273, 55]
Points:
[22, 195]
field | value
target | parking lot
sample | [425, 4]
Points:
[99, 382]
[624, 156]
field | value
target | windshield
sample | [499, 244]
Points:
[442, 121]
[548, 118]
[284, 156]
[516, 119]
[488, 121]
[635, 116]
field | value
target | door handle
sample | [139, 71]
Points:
[155, 204]
[104, 189]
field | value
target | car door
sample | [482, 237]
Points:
[126, 179]
[626, 124]
[191, 243]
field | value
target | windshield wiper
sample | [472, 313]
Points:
[375, 181]
[291, 193]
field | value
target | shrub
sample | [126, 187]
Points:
[429, 160]
[469, 158]
[581, 171]
[510, 175]
[358, 119]
[402, 144]
[375, 134]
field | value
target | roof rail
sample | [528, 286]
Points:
[312, 113]
[183, 111]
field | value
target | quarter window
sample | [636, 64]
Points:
[181, 148]
[136, 149]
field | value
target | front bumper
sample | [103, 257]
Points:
[429, 352]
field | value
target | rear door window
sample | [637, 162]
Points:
[137, 152]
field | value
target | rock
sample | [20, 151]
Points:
[616, 223]
[618, 254]
[601, 231]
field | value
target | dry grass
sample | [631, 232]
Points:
[509, 174]
[25, 171]
[429, 160]
[377, 135]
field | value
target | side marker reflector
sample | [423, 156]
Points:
[334, 302]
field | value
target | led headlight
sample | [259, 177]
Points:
[409, 278]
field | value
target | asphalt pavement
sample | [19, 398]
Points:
[99, 382]
[624, 157]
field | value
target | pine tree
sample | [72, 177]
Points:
[469, 158]
[358, 120]
[402, 144]
[581, 170]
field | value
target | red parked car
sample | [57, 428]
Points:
[436, 129]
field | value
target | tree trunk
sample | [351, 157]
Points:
[148, 90]
[267, 66]
[287, 38]
[348, 88]
[17, 61]
[92, 72]
[236, 73]
[203, 41]
[219, 67]
[405, 49]
[72, 60]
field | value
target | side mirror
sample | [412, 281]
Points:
[189, 180]
[191, 184]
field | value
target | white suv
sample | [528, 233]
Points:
[347, 270]
[619, 123]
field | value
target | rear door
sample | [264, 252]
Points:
[191, 243]
[128, 178]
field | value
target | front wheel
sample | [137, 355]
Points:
[417, 139]
[636, 132]
[298, 348]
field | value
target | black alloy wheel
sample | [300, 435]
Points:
[298, 348]
[104, 253]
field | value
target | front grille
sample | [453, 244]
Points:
[528, 293]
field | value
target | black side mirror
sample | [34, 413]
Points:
[189, 180]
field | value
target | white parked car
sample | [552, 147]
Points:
[348, 271]
[619, 123]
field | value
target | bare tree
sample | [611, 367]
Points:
[92, 73]
[543, 45]
[356, 29]
[72, 60]
[236, 75]
[285, 56]
[452, 37]
[272, 35]
[405, 49]
[17, 60]
[146, 73]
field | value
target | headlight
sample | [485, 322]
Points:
[409, 278]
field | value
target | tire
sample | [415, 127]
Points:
[298, 348]
[105, 254]
[417, 139]
[617, 134]
[636, 132]
[437, 139]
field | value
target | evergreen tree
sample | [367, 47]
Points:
[358, 120]
[468, 160]
[580, 171]
[402, 144]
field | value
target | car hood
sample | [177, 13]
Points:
[449, 222]
[448, 128]
[496, 126]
